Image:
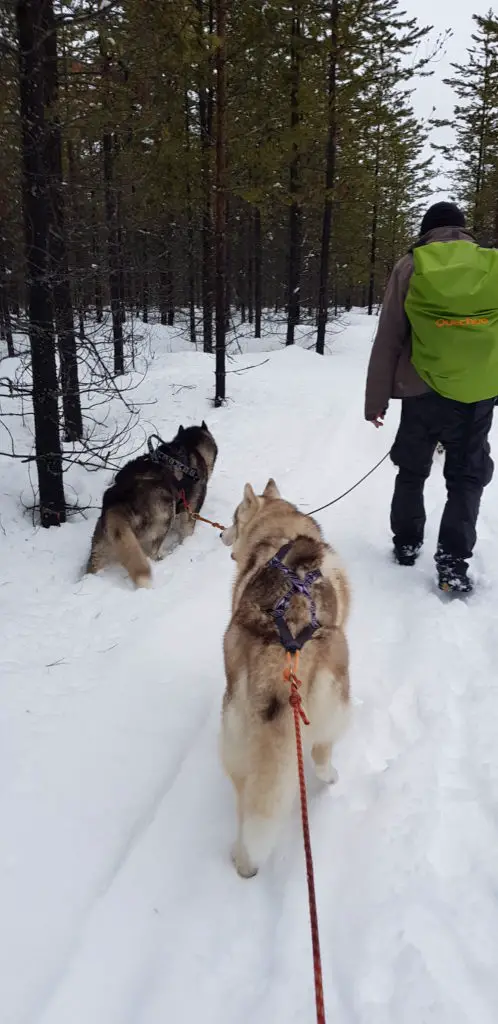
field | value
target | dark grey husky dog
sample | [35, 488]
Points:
[143, 515]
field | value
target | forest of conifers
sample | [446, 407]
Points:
[206, 163]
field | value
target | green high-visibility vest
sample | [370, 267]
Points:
[452, 306]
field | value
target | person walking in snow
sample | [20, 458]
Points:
[436, 349]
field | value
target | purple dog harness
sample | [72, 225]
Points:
[296, 586]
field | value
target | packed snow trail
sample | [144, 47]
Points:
[119, 901]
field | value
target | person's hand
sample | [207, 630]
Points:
[378, 421]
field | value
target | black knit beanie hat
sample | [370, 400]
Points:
[442, 215]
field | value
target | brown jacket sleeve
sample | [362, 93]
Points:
[393, 335]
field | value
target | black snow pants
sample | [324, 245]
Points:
[463, 430]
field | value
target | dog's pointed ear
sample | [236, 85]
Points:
[271, 490]
[181, 430]
[250, 498]
[204, 425]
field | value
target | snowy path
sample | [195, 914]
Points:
[118, 901]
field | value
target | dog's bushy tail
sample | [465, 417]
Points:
[126, 547]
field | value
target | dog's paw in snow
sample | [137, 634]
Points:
[241, 861]
[327, 773]
[322, 759]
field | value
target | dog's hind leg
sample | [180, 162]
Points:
[265, 800]
[100, 553]
[233, 753]
[126, 548]
[331, 721]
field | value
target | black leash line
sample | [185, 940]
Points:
[353, 488]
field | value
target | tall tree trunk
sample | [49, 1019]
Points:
[261, 64]
[108, 150]
[191, 281]
[250, 270]
[61, 288]
[4, 304]
[145, 278]
[31, 21]
[190, 230]
[220, 200]
[295, 215]
[167, 300]
[373, 233]
[76, 219]
[323, 288]
[97, 270]
[258, 272]
[79, 260]
[163, 276]
[131, 255]
[16, 306]
[113, 251]
[120, 241]
[170, 281]
[240, 287]
[130, 282]
[228, 266]
[206, 133]
[120, 232]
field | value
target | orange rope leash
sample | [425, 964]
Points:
[290, 676]
[195, 515]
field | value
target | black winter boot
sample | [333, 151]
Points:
[407, 554]
[453, 575]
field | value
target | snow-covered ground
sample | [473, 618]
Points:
[118, 901]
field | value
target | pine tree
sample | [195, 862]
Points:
[295, 212]
[205, 25]
[61, 288]
[220, 225]
[33, 24]
[330, 174]
[474, 162]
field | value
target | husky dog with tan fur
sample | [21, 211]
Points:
[143, 515]
[274, 544]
